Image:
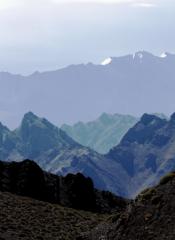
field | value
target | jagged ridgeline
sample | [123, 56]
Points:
[55, 151]
[145, 153]
[103, 133]
[85, 90]
[26, 178]
[38, 205]
[24, 217]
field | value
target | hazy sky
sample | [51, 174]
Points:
[49, 34]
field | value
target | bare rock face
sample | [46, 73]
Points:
[146, 152]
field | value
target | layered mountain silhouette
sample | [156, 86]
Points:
[103, 133]
[86, 90]
[56, 152]
[145, 153]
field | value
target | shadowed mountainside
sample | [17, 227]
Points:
[27, 179]
[150, 216]
[23, 218]
[147, 151]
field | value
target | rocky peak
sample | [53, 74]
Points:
[38, 135]
[31, 123]
[172, 118]
[145, 129]
[147, 119]
[3, 128]
[30, 116]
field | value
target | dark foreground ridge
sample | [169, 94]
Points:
[23, 218]
[75, 191]
[150, 217]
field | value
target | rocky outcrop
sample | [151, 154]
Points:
[76, 191]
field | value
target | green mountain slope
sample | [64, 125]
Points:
[103, 133]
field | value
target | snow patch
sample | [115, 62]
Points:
[106, 61]
[163, 55]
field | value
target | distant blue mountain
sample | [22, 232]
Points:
[103, 133]
[130, 84]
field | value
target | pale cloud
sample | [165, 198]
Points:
[7, 3]
[144, 5]
[93, 1]
[137, 3]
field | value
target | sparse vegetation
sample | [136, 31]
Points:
[25, 219]
[147, 194]
[167, 178]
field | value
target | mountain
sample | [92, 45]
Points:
[86, 90]
[54, 151]
[103, 133]
[150, 216]
[76, 191]
[34, 137]
[39, 205]
[147, 151]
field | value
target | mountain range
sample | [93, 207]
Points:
[103, 133]
[84, 91]
[143, 156]
[36, 138]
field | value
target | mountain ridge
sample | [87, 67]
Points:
[145, 153]
[85, 91]
[27, 179]
[56, 152]
[103, 133]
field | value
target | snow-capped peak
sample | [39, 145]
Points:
[163, 55]
[106, 61]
